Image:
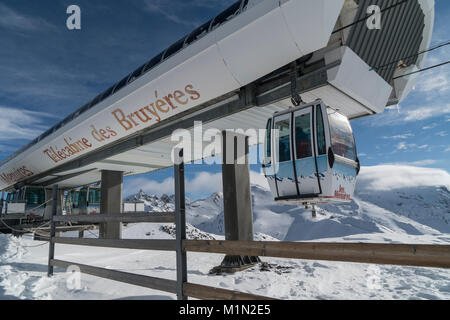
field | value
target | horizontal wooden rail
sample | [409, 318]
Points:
[130, 278]
[63, 228]
[210, 293]
[433, 256]
[189, 289]
[139, 244]
[151, 217]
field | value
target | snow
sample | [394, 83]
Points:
[393, 204]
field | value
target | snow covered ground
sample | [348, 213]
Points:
[393, 204]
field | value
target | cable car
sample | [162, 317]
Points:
[28, 200]
[310, 155]
[83, 201]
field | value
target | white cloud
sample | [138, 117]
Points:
[424, 113]
[14, 20]
[175, 10]
[428, 162]
[437, 82]
[431, 126]
[442, 134]
[202, 183]
[447, 150]
[150, 186]
[419, 163]
[16, 124]
[205, 182]
[407, 146]
[390, 177]
[400, 136]
[402, 146]
[411, 114]
[166, 9]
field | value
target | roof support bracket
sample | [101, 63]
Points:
[296, 99]
[248, 95]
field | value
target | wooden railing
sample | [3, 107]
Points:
[435, 256]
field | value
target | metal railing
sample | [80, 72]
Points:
[435, 256]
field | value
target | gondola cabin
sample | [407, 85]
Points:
[28, 200]
[83, 201]
[310, 155]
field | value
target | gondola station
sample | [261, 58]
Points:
[300, 69]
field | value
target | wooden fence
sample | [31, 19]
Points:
[435, 256]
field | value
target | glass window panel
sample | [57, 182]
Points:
[136, 74]
[20, 195]
[97, 195]
[321, 142]
[94, 195]
[108, 92]
[10, 197]
[284, 145]
[198, 33]
[174, 48]
[342, 140]
[152, 63]
[227, 15]
[83, 198]
[121, 84]
[34, 196]
[303, 136]
[245, 4]
[75, 198]
[96, 100]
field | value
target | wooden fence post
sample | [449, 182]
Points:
[180, 220]
[51, 245]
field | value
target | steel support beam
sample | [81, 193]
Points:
[111, 202]
[51, 246]
[237, 199]
[180, 222]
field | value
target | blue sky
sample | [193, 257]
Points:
[47, 72]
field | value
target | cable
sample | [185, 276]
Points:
[41, 205]
[32, 230]
[35, 246]
[383, 67]
[424, 69]
[370, 15]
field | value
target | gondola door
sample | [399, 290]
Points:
[305, 164]
[283, 157]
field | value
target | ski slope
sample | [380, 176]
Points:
[393, 204]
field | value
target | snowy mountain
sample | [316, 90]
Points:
[153, 203]
[390, 204]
